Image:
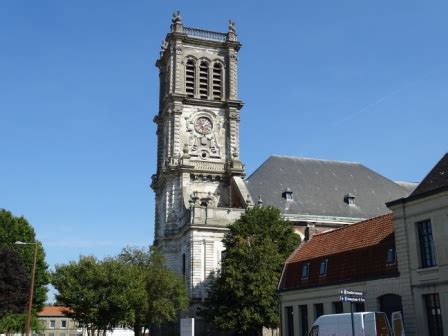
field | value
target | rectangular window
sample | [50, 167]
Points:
[51, 334]
[64, 324]
[289, 319]
[323, 267]
[337, 307]
[433, 314]
[303, 309]
[62, 334]
[305, 270]
[52, 324]
[184, 265]
[390, 259]
[318, 310]
[427, 252]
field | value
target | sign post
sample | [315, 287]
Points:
[347, 295]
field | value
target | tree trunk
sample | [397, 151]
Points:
[137, 329]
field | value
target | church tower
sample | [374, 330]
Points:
[198, 184]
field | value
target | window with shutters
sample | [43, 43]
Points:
[190, 74]
[217, 81]
[203, 80]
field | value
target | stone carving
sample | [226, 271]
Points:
[177, 19]
[231, 35]
[163, 47]
[232, 27]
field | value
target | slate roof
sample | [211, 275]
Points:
[409, 186]
[354, 253]
[53, 311]
[320, 186]
[436, 179]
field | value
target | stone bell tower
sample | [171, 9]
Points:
[198, 184]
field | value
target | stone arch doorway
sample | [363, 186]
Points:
[390, 303]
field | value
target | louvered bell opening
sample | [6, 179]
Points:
[189, 79]
[203, 80]
[217, 82]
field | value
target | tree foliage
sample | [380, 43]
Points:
[12, 324]
[14, 229]
[167, 293]
[134, 289]
[94, 290]
[14, 283]
[158, 293]
[243, 297]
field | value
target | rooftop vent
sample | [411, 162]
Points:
[349, 199]
[287, 194]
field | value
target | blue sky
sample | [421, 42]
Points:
[362, 81]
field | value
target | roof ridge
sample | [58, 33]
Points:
[427, 179]
[313, 159]
[354, 224]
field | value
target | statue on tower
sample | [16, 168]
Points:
[231, 35]
[176, 22]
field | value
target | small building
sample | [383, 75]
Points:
[57, 323]
[360, 257]
[421, 234]
[399, 259]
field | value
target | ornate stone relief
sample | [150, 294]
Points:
[205, 130]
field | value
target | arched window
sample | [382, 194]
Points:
[217, 81]
[190, 74]
[203, 80]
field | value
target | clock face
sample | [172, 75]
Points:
[203, 125]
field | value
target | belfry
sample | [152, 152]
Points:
[198, 184]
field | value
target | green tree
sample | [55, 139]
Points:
[157, 294]
[135, 289]
[14, 283]
[95, 291]
[167, 293]
[243, 297]
[137, 263]
[14, 229]
[12, 323]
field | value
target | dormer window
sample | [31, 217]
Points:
[305, 270]
[349, 199]
[287, 194]
[323, 267]
[390, 259]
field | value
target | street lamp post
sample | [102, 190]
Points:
[30, 301]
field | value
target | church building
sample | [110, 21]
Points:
[199, 184]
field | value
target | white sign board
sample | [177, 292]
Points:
[347, 295]
[187, 327]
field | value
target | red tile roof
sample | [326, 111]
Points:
[53, 311]
[359, 235]
[355, 252]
